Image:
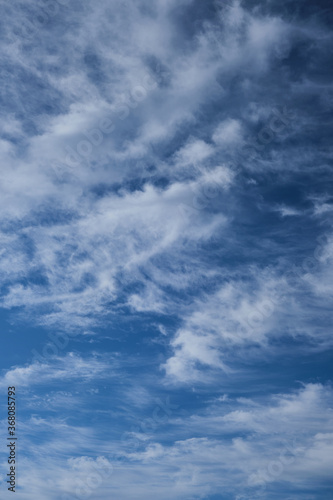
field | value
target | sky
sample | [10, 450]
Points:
[166, 250]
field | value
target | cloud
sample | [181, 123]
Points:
[228, 132]
[271, 444]
[279, 441]
[248, 316]
[287, 211]
[239, 315]
[70, 366]
[80, 261]
[168, 163]
[260, 453]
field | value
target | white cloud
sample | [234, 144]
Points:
[81, 259]
[239, 315]
[55, 368]
[228, 132]
[287, 211]
[151, 217]
[270, 442]
[194, 153]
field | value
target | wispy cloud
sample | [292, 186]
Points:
[59, 368]
[165, 204]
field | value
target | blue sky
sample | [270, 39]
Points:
[167, 248]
